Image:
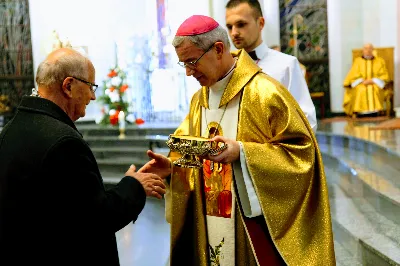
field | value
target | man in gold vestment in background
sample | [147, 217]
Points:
[364, 93]
[273, 207]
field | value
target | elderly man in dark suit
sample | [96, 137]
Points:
[54, 209]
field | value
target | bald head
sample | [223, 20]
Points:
[368, 50]
[62, 63]
[63, 78]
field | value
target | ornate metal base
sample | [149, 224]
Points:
[188, 161]
[192, 147]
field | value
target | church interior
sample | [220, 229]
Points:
[143, 96]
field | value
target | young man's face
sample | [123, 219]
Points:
[244, 29]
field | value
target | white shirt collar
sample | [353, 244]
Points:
[261, 50]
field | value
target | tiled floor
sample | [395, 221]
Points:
[389, 139]
[146, 242]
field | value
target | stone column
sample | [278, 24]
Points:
[217, 10]
[271, 32]
[345, 32]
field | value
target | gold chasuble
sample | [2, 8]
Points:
[360, 98]
[285, 166]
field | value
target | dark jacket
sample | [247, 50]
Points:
[54, 209]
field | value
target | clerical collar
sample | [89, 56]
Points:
[261, 51]
[35, 93]
[253, 55]
[221, 84]
[368, 57]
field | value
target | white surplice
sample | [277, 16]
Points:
[286, 69]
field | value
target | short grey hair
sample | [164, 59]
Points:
[205, 40]
[53, 72]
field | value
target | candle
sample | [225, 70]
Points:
[121, 120]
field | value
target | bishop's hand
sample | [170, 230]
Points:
[368, 82]
[228, 155]
[159, 165]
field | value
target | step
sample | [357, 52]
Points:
[344, 257]
[360, 229]
[362, 180]
[129, 141]
[374, 157]
[384, 160]
[130, 130]
[116, 153]
[119, 167]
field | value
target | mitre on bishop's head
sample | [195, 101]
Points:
[195, 25]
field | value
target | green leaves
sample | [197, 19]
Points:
[215, 254]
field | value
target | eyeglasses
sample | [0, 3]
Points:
[93, 87]
[192, 65]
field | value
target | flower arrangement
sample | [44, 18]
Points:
[114, 97]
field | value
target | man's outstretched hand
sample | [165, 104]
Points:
[153, 184]
[159, 165]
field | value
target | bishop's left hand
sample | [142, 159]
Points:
[230, 154]
[159, 165]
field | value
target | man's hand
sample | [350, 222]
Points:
[159, 165]
[230, 154]
[153, 184]
[368, 82]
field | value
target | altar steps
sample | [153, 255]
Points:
[363, 182]
[344, 257]
[115, 155]
[130, 130]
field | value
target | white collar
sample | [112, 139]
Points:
[221, 84]
[261, 50]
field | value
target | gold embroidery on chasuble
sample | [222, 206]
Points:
[217, 182]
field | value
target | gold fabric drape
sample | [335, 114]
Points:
[285, 166]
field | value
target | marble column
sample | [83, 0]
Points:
[217, 10]
[344, 34]
[271, 32]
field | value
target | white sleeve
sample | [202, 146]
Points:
[299, 89]
[380, 83]
[356, 82]
[247, 194]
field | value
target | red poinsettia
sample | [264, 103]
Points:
[114, 118]
[112, 74]
[123, 88]
[139, 121]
